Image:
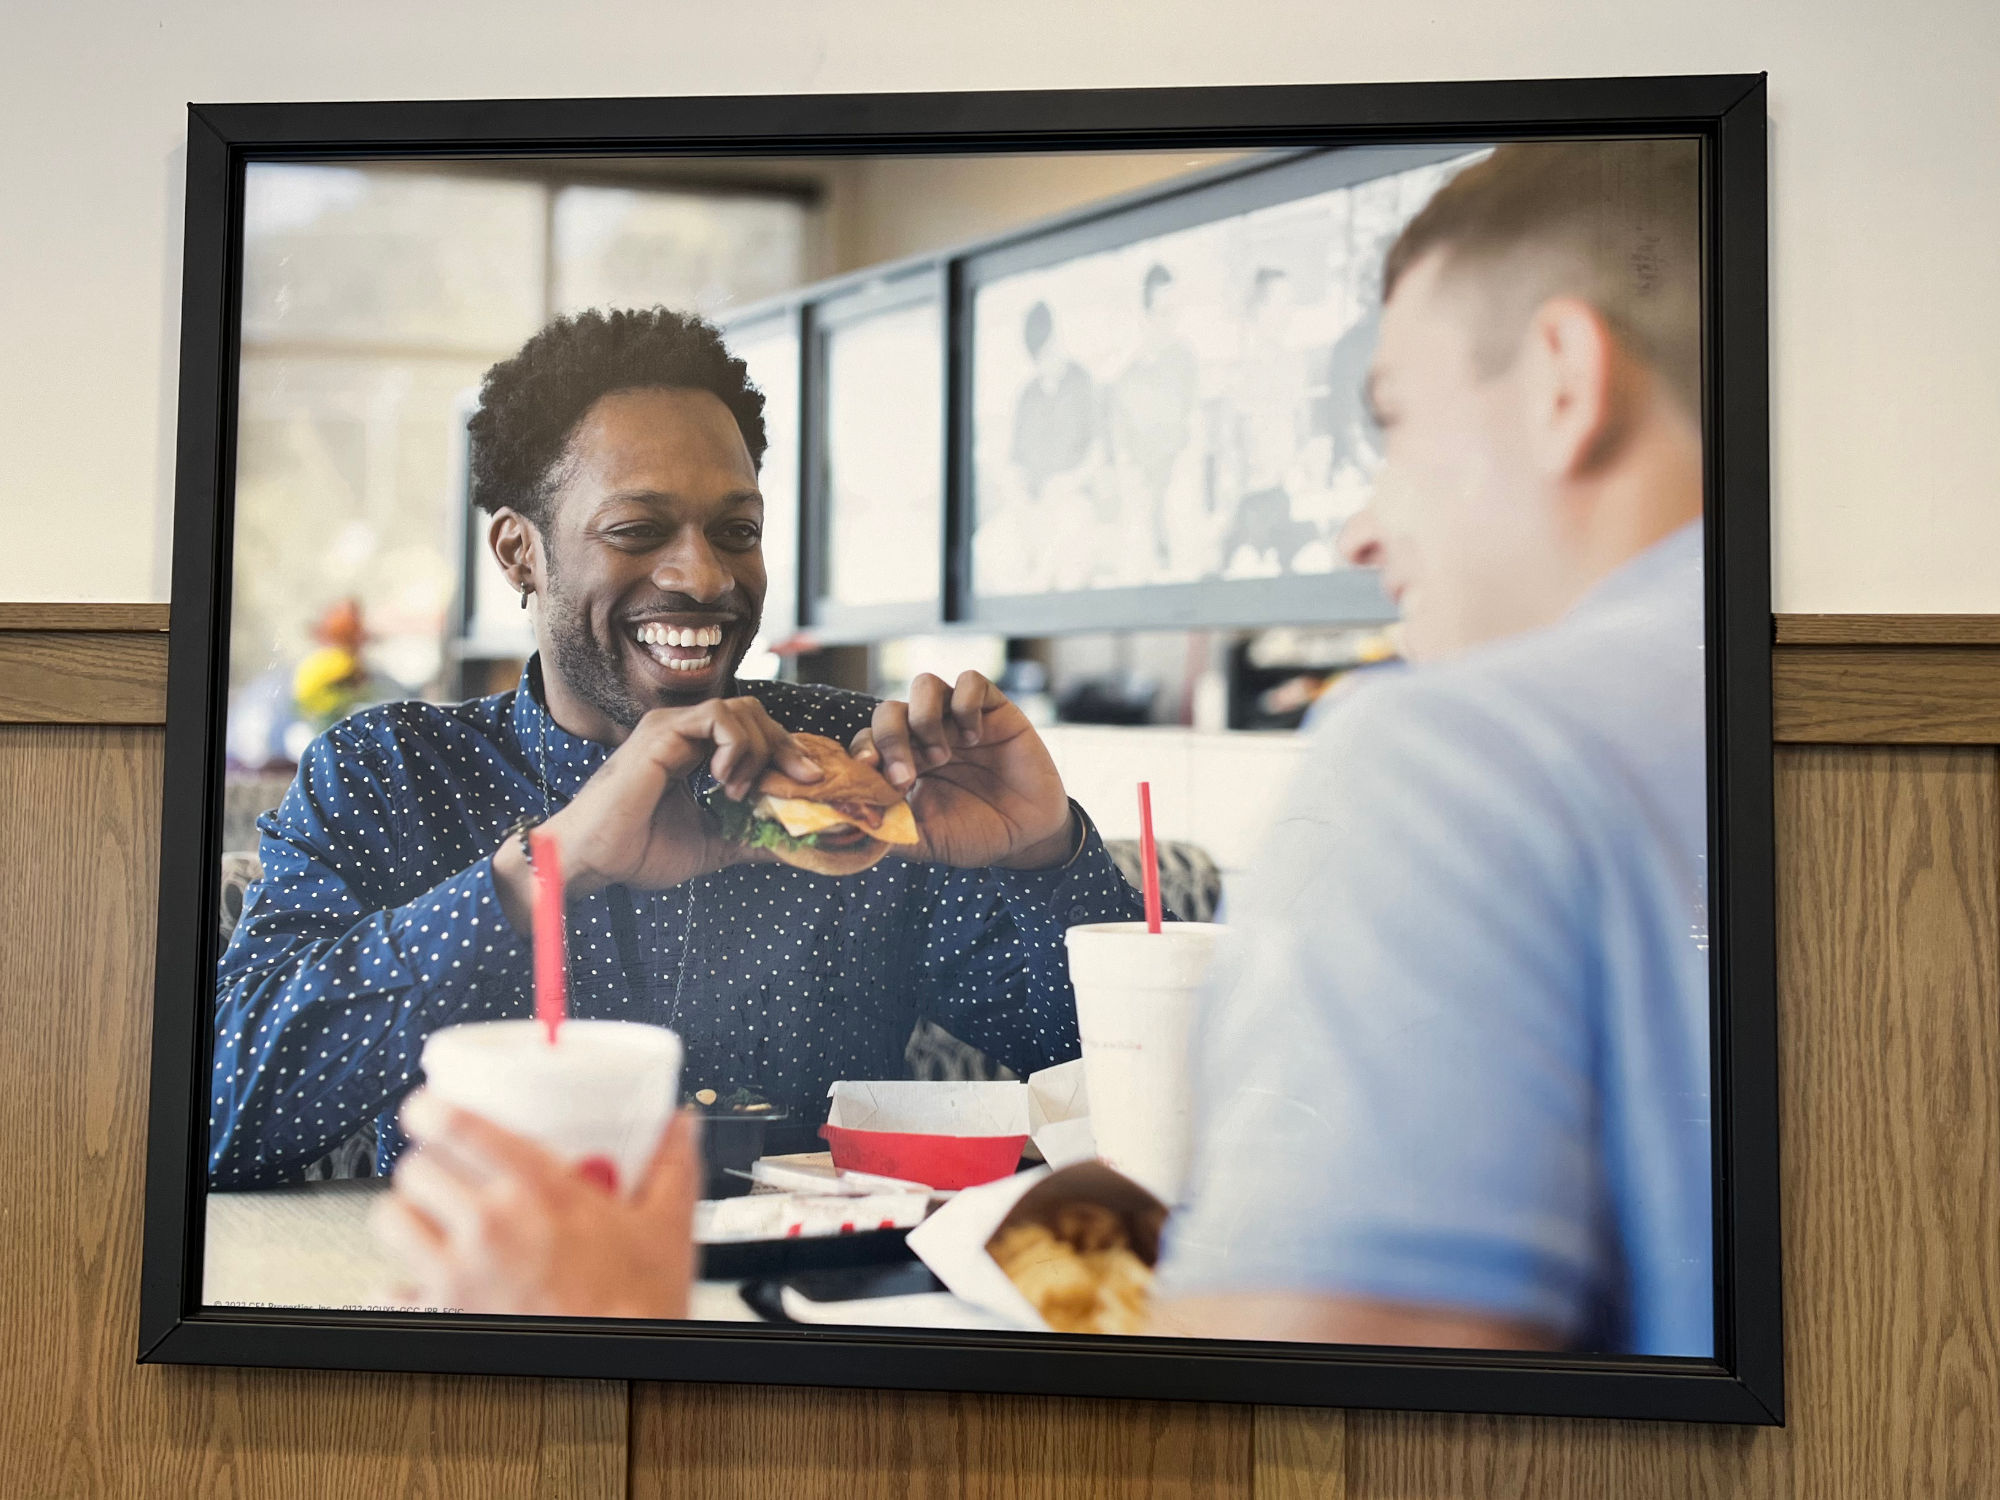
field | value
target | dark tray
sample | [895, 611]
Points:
[828, 1252]
[765, 1295]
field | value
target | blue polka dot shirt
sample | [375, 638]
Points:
[376, 922]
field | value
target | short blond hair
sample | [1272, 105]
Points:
[1614, 223]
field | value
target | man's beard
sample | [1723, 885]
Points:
[591, 672]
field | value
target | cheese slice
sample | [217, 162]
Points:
[899, 825]
[800, 817]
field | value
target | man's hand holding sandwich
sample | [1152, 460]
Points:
[981, 782]
[981, 785]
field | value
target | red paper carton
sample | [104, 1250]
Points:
[944, 1135]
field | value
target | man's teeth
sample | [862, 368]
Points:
[688, 638]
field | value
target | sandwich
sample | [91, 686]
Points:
[839, 825]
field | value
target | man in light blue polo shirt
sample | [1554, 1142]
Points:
[1454, 1064]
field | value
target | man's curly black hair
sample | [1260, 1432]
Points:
[530, 404]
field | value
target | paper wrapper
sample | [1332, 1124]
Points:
[944, 1135]
[780, 1216]
[1059, 1115]
[773, 1174]
[953, 1241]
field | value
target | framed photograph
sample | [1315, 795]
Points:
[550, 984]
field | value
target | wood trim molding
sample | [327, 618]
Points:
[1886, 695]
[83, 677]
[1887, 630]
[1788, 630]
[1835, 679]
[83, 663]
[88, 616]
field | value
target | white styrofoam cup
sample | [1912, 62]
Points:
[1135, 1004]
[600, 1096]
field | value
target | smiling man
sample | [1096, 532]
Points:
[1454, 1070]
[617, 456]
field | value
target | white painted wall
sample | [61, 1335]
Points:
[1886, 194]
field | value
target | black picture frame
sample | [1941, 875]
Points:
[1743, 1383]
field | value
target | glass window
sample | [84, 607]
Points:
[625, 247]
[344, 476]
[770, 348]
[390, 257]
[885, 457]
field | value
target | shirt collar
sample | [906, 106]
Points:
[564, 760]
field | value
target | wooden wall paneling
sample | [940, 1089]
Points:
[1890, 976]
[584, 1445]
[1889, 931]
[1297, 1453]
[79, 814]
[1412, 1456]
[695, 1442]
[288, 1433]
[57, 677]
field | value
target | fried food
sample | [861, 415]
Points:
[1080, 1271]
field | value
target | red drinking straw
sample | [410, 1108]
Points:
[1149, 861]
[551, 958]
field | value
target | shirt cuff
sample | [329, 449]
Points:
[1076, 877]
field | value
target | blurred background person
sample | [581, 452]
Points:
[274, 717]
[1055, 416]
[1055, 440]
[1152, 411]
[1269, 428]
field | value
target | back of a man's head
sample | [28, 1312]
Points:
[1616, 224]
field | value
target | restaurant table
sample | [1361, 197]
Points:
[309, 1246]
